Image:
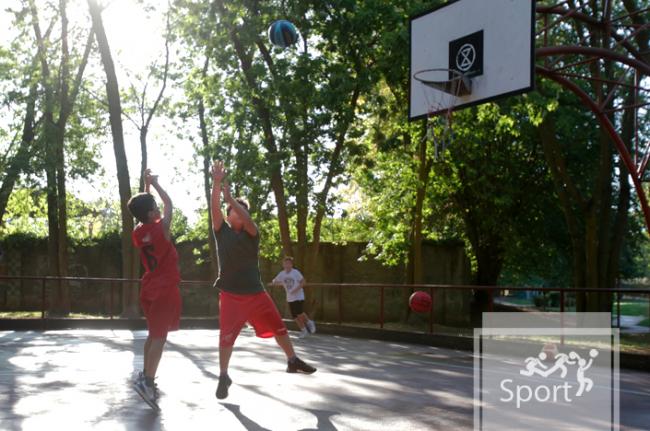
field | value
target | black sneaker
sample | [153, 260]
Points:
[298, 366]
[222, 389]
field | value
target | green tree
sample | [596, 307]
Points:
[298, 108]
[591, 181]
[60, 85]
[21, 147]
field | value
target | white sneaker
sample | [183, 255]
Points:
[303, 333]
[147, 393]
[137, 376]
[311, 326]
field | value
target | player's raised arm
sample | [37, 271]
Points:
[249, 225]
[218, 174]
[166, 201]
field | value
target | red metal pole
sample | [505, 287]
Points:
[490, 300]
[593, 52]
[431, 313]
[636, 117]
[381, 307]
[340, 304]
[111, 306]
[562, 316]
[43, 298]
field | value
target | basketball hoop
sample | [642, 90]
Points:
[442, 89]
[455, 82]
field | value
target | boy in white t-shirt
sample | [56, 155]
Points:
[293, 283]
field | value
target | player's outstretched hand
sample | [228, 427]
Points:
[150, 178]
[218, 171]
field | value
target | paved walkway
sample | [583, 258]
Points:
[630, 325]
[78, 379]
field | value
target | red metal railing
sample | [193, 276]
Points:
[490, 290]
[113, 282]
[340, 287]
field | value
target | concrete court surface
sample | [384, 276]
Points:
[78, 379]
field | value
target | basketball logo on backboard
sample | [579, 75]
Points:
[466, 54]
[465, 57]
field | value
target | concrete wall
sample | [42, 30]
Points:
[443, 264]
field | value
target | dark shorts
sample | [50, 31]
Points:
[257, 309]
[161, 305]
[296, 308]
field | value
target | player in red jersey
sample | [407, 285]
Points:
[159, 296]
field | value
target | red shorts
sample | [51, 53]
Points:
[161, 304]
[257, 309]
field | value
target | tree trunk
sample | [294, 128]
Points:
[424, 168]
[302, 201]
[571, 202]
[50, 139]
[321, 197]
[61, 295]
[129, 258]
[619, 226]
[596, 236]
[277, 185]
[207, 186]
[144, 127]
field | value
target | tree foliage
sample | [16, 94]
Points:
[317, 138]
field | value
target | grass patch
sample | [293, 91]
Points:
[629, 307]
[629, 343]
[635, 343]
[632, 307]
[20, 314]
[645, 322]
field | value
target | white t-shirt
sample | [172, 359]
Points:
[290, 280]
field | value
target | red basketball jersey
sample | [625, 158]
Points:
[158, 254]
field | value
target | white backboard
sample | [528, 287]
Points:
[493, 41]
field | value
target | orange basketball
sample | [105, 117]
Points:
[420, 302]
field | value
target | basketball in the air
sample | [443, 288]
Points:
[420, 302]
[282, 33]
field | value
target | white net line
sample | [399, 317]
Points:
[441, 89]
[439, 119]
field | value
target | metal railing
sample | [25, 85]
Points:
[491, 290]
[113, 282]
[339, 287]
